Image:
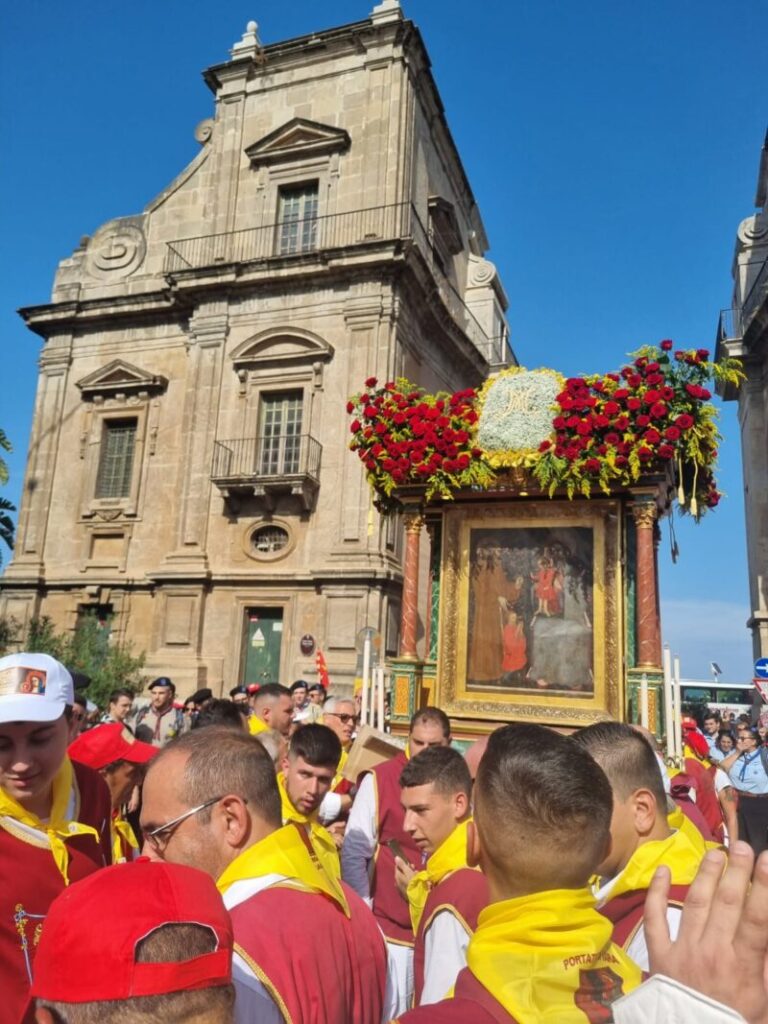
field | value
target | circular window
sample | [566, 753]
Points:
[269, 540]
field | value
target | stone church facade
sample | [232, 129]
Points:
[189, 480]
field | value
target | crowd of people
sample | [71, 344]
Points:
[215, 861]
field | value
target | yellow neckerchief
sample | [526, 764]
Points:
[532, 954]
[321, 839]
[121, 830]
[339, 776]
[285, 853]
[450, 856]
[677, 852]
[257, 725]
[679, 820]
[58, 828]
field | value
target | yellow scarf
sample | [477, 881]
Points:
[679, 853]
[321, 839]
[121, 830]
[540, 956]
[283, 852]
[339, 776]
[450, 856]
[680, 821]
[58, 828]
[257, 725]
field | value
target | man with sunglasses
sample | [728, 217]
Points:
[308, 949]
[340, 715]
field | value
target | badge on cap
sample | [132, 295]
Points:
[18, 679]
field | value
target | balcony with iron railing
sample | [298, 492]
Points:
[267, 466]
[303, 238]
[733, 323]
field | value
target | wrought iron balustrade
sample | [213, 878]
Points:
[268, 457]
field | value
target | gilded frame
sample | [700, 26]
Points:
[494, 703]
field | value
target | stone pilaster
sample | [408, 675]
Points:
[207, 335]
[28, 558]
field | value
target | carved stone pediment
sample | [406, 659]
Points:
[294, 346]
[297, 139]
[119, 377]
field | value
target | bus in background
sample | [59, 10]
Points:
[727, 698]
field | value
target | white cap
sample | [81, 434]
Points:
[33, 688]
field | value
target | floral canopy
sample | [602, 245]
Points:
[574, 435]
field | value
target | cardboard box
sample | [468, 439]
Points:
[370, 748]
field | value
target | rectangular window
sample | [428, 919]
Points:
[280, 447]
[297, 219]
[118, 442]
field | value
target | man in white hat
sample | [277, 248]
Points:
[54, 815]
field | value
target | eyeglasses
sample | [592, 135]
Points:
[159, 837]
[344, 719]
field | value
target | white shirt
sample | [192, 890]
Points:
[445, 954]
[360, 840]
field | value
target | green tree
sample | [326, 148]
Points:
[89, 650]
[9, 633]
[6, 523]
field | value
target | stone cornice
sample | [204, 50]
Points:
[55, 316]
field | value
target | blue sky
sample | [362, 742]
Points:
[612, 147]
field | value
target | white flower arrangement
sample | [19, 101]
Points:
[516, 414]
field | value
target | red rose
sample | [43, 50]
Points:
[633, 404]
[651, 436]
[651, 368]
[370, 411]
[651, 396]
[584, 427]
[592, 465]
[684, 421]
[380, 428]
[612, 438]
[389, 386]
[702, 353]
[621, 461]
[712, 499]
[634, 380]
[658, 410]
[559, 451]
[643, 421]
[612, 376]
[350, 406]
[704, 394]
[672, 433]
[355, 426]
[620, 393]
[571, 453]
[655, 379]
[545, 446]
[590, 402]
[370, 464]
[667, 393]
[377, 450]
[679, 355]
[477, 452]
[368, 432]
[644, 454]
[371, 382]
[611, 408]
[388, 465]
[641, 362]
[665, 451]
[399, 418]
[463, 461]
[575, 383]
[621, 423]
[666, 345]
[471, 416]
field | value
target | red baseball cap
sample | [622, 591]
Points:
[84, 958]
[108, 743]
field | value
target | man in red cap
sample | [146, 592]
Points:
[54, 815]
[166, 956]
[114, 752]
[699, 773]
[308, 949]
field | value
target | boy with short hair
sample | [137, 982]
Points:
[54, 815]
[641, 837]
[447, 896]
[541, 950]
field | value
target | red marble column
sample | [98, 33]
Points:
[409, 615]
[647, 604]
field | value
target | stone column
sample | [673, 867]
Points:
[648, 630]
[410, 609]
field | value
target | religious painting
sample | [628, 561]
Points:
[530, 616]
[530, 612]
